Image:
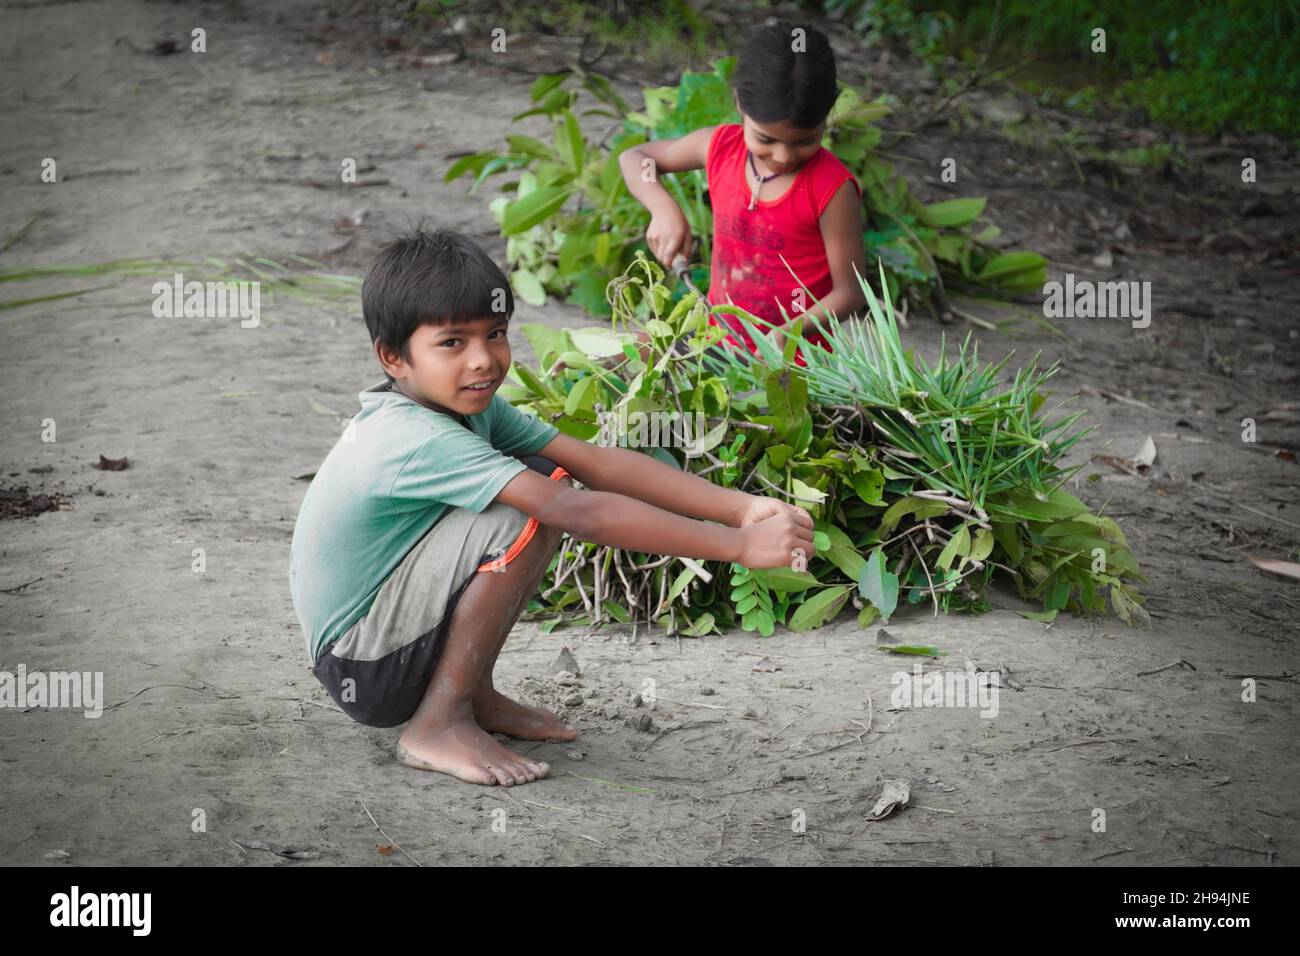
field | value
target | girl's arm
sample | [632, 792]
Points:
[841, 227]
[669, 234]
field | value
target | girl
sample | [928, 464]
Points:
[774, 189]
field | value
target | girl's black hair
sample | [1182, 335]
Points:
[783, 74]
[431, 278]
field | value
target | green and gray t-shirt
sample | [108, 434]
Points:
[397, 469]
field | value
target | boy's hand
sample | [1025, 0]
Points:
[771, 530]
[761, 507]
[669, 235]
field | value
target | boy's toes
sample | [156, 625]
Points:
[539, 767]
[502, 776]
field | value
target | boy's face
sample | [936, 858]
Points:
[780, 147]
[447, 359]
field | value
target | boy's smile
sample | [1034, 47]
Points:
[455, 368]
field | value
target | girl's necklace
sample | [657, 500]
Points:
[758, 180]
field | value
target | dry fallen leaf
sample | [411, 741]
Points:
[1288, 569]
[385, 848]
[112, 464]
[1146, 456]
[896, 794]
[321, 409]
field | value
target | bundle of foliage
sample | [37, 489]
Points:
[925, 480]
[570, 222]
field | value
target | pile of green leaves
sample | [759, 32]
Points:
[570, 222]
[925, 480]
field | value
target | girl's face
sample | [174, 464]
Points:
[779, 146]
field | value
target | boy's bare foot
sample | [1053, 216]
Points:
[498, 714]
[469, 753]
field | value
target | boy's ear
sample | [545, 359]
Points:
[391, 361]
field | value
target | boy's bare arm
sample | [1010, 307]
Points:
[622, 521]
[638, 475]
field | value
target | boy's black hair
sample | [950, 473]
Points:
[774, 82]
[433, 277]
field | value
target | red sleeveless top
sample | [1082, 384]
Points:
[748, 245]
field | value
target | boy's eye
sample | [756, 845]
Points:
[499, 333]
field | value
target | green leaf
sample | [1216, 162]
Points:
[819, 609]
[616, 611]
[598, 343]
[543, 339]
[1044, 617]
[806, 495]
[878, 585]
[840, 551]
[784, 579]
[921, 507]
[544, 84]
[958, 544]
[522, 214]
[1056, 592]
[528, 287]
[953, 213]
[1007, 534]
[868, 484]
[581, 397]
[679, 584]
[916, 650]
[1053, 507]
[532, 382]
[701, 626]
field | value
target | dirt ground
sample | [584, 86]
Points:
[210, 704]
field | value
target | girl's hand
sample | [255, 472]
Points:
[669, 235]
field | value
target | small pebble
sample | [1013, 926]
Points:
[574, 700]
[707, 691]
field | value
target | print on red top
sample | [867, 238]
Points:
[748, 243]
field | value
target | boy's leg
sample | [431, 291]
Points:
[495, 711]
[444, 734]
[498, 713]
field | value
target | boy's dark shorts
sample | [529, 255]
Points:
[379, 670]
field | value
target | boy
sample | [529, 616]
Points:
[437, 480]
